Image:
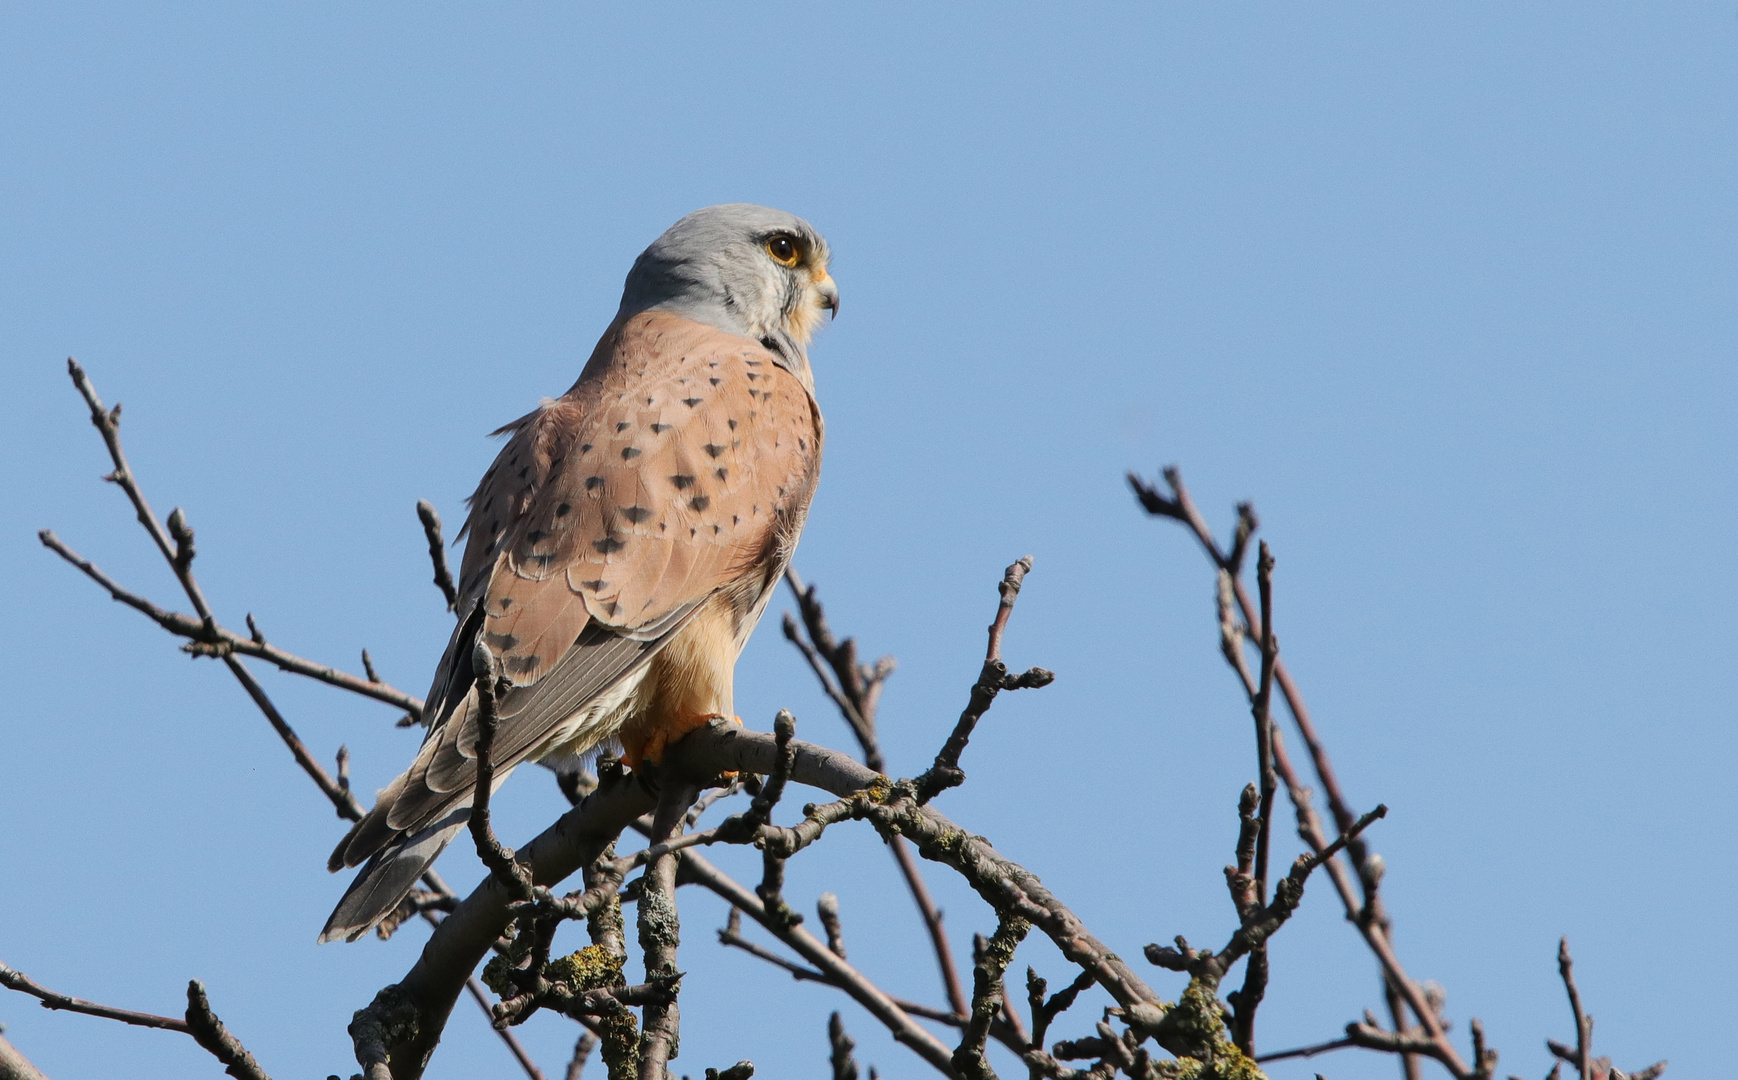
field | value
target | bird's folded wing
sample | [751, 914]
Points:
[612, 513]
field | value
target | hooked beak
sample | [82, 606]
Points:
[829, 291]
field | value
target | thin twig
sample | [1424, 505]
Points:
[1369, 916]
[844, 1065]
[13, 979]
[437, 552]
[994, 678]
[514, 1046]
[208, 1031]
[1307, 1051]
[1581, 1054]
[835, 971]
[855, 689]
[200, 1022]
[1248, 999]
[857, 694]
[582, 1051]
[827, 907]
[1263, 722]
[1583, 1022]
[214, 639]
[206, 636]
[932, 922]
[731, 936]
[1182, 508]
[1045, 1011]
[495, 855]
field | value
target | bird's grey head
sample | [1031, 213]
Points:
[748, 269]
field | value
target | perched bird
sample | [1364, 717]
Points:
[628, 536]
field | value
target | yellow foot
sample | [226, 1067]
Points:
[649, 746]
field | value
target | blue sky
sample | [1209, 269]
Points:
[1447, 292]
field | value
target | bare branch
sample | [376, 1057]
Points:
[1583, 1023]
[1046, 1011]
[200, 1023]
[1307, 1051]
[827, 907]
[13, 979]
[1248, 999]
[844, 1065]
[208, 638]
[581, 1053]
[496, 856]
[731, 936]
[854, 688]
[987, 996]
[213, 639]
[932, 922]
[1370, 1036]
[994, 678]
[829, 968]
[861, 726]
[742, 826]
[1369, 915]
[437, 552]
[1009, 589]
[1580, 1056]
[514, 1046]
[108, 424]
[1484, 1057]
[15, 1066]
[208, 1031]
[660, 931]
[1264, 723]
[1182, 508]
[856, 693]
[1306, 864]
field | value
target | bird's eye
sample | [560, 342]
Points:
[783, 250]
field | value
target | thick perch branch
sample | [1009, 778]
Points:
[15, 1066]
[418, 1006]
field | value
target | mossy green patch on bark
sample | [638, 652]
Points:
[1194, 1030]
[591, 968]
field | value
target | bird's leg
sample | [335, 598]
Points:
[647, 746]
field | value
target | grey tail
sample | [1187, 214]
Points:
[389, 877]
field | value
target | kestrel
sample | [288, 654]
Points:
[628, 536]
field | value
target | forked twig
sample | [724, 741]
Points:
[207, 637]
[857, 694]
[1369, 915]
[200, 1022]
